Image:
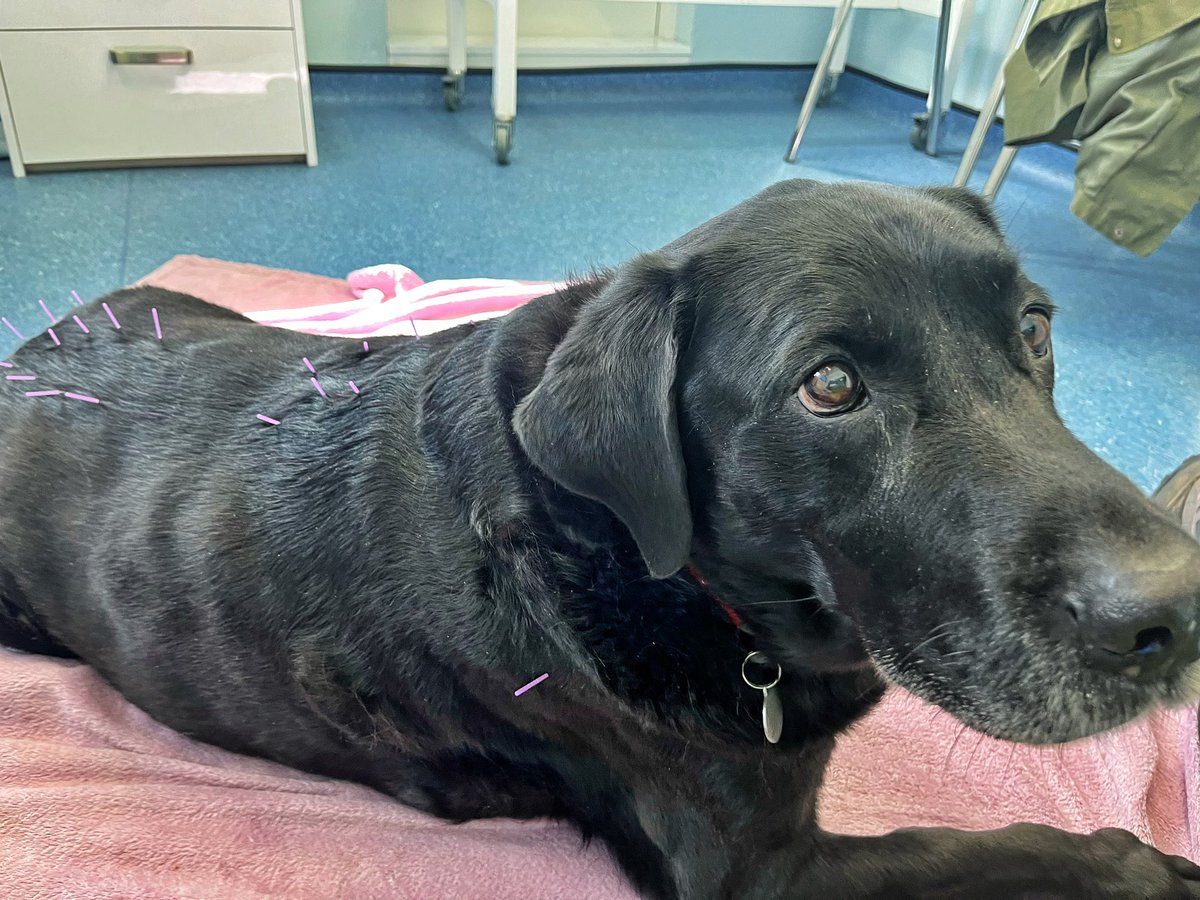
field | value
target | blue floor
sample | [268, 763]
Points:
[606, 165]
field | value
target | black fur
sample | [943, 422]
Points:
[359, 591]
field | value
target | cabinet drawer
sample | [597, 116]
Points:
[239, 95]
[70, 14]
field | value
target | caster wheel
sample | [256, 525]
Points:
[920, 132]
[502, 140]
[828, 89]
[452, 91]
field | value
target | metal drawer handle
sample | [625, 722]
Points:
[150, 56]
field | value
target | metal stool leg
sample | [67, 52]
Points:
[987, 115]
[840, 16]
[955, 18]
[837, 63]
[938, 82]
[456, 67]
[504, 79]
[996, 177]
[961, 14]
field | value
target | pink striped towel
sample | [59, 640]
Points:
[392, 299]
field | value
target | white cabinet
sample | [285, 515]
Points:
[146, 82]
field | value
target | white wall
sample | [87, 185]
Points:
[535, 18]
[897, 46]
[346, 32]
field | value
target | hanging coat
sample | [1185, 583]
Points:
[1123, 78]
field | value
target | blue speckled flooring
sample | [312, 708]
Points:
[606, 165]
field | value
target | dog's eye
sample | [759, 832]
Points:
[1035, 329]
[832, 388]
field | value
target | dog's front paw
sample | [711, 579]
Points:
[1110, 863]
[1135, 869]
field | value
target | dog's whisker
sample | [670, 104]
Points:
[1008, 763]
[774, 602]
[938, 631]
[953, 746]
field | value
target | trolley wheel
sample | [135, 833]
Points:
[920, 131]
[502, 140]
[452, 91]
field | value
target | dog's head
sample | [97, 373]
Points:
[836, 400]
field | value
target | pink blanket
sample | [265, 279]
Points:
[97, 801]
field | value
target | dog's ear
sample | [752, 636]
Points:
[602, 420]
[968, 201]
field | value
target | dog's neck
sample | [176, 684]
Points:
[730, 613]
[669, 643]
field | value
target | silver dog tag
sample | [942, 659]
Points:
[772, 710]
[772, 715]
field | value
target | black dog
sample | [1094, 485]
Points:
[825, 415]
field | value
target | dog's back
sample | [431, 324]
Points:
[148, 475]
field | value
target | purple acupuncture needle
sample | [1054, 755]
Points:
[309, 365]
[77, 298]
[5, 364]
[519, 691]
[42, 393]
[12, 328]
[21, 377]
[82, 327]
[413, 326]
[320, 390]
[366, 347]
[46, 310]
[54, 337]
[84, 397]
[116, 324]
[267, 419]
[354, 387]
[157, 326]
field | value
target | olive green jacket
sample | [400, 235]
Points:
[1123, 77]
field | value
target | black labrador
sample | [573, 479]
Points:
[810, 444]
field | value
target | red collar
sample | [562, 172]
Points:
[730, 612]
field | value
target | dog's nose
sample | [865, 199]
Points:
[1147, 643]
[1145, 625]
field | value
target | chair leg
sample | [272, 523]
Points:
[453, 82]
[987, 115]
[837, 63]
[840, 17]
[938, 81]
[996, 177]
[504, 79]
[961, 14]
